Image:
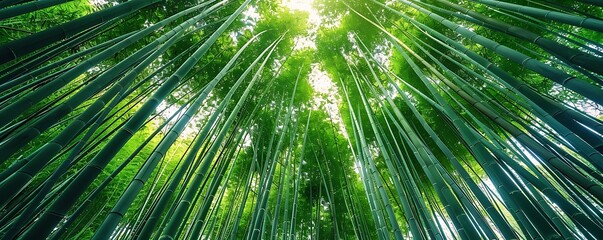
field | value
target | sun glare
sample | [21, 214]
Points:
[305, 6]
[301, 5]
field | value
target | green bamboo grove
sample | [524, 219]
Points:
[301, 119]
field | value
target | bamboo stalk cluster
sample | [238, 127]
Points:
[190, 124]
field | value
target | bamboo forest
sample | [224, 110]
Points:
[301, 119]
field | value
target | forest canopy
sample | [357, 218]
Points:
[301, 119]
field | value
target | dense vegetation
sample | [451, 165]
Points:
[323, 119]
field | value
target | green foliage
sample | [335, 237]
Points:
[360, 119]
